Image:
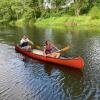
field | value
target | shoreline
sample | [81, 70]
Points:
[78, 23]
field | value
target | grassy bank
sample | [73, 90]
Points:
[69, 21]
[91, 19]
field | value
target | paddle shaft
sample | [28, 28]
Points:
[63, 49]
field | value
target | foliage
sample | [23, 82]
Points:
[17, 9]
[78, 5]
[95, 13]
[26, 10]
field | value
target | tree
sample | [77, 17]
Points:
[78, 5]
[97, 3]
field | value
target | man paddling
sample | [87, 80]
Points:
[24, 43]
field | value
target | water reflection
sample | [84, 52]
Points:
[48, 69]
[22, 78]
[60, 75]
[65, 70]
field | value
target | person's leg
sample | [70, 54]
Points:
[29, 48]
[57, 55]
[49, 55]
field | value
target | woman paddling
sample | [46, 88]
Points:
[24, 43]
[49, 50]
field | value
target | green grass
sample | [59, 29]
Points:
[51, 21]
[83, 23]
[63, 22]
[92, 19]
[20, 22]
[80, 21]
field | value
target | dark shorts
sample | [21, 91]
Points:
[24, 44]
[48, 51]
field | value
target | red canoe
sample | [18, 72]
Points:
[76, 62]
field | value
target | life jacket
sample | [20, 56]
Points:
[49, 49]
[24, 44]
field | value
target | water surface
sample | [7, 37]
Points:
[22, 78]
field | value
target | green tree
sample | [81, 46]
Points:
[5, 11]
[17, 9]
[78, 5]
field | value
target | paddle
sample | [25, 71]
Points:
[64, 49]
[34, 45]
[56, 54]
[37, 46]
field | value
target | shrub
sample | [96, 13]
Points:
[95, 13]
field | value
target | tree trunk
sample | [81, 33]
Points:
[77, 12]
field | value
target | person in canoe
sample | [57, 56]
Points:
[50, 50]
[25, 43]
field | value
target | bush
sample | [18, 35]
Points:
[95, 13]
[70, 11]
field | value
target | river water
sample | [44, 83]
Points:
[22, 78]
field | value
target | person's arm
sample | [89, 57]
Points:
[55, 47]
[44, 51]
[30, 41]
[21, 41]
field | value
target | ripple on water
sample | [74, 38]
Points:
[26, 79]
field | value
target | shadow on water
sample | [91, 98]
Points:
[66, 70]
[48, 68]
[62, 76]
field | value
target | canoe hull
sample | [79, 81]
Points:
[76, 62]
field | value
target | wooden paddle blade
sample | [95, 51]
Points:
[66, 48]
[38, 47]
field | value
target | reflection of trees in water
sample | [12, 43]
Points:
[48, 68]
[48, 34]
[72, 83]
[65, 70]
[70, 79]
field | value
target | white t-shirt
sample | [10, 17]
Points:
[24, 40]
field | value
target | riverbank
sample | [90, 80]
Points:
[78, 23]
[68, 21]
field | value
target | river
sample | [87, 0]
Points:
[22, 78]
